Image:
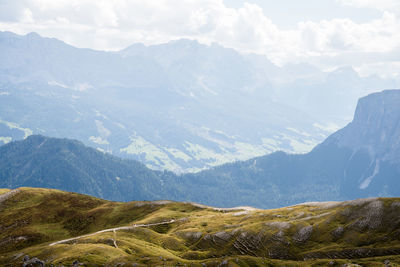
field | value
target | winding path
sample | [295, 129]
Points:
[114, 230]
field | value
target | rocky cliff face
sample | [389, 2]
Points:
[375, 127]
[360, 160]
[374, 136]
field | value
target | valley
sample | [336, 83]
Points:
[200, 133]
[182, 106]
[359, 161]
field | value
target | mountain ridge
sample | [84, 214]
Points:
[329, 172]
[69, 165]
[203, 107]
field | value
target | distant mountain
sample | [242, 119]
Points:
[181, 106]
[360, 160]
[374, 140]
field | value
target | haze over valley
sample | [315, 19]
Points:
[181, 106]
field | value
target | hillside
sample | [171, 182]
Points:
[60, 228]
[69, 165]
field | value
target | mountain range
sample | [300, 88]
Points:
[360, 160]
[181, 106]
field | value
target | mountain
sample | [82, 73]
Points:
[332, 96]
[69, 165]
[360, 160]
[42, 227]
[373, 137]
[181, 106]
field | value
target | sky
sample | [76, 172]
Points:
[364, 34]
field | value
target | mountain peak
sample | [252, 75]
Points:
[375, 127]
[185, 41]
[33, 35]
[343, 72]
[387, 102]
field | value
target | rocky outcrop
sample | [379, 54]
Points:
[34, 262]
[352, 253]
[369, 217]
[374, 139]
[7, 195]
[375, 127]
[303, 234]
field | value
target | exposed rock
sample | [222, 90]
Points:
[33, 262]
[359, 202]
[219, 239]
[371, 216]
[314, 216]
[375, 125]
[279, 246]
[303, 234]
[338, 232]
[190, 237]
[395, 204]
[152, 203]
[9, 194]
[223, 235]
[161, 202]
[250, 244]
[230, 226]
[280, 234]
[240, 213]
[352, 253]
[279, 224]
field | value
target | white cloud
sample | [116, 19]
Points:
[115, 24]
[383, 5]
[343, 34]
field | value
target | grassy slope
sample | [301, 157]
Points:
[2, 191]
[300, 235]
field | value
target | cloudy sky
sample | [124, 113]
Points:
[364, 34]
